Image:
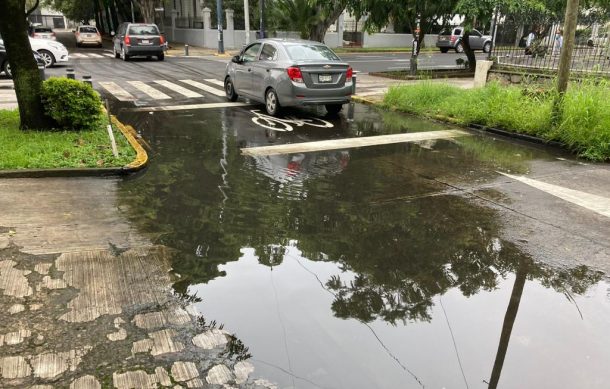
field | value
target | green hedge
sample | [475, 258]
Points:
[72, 104]
[584, 125]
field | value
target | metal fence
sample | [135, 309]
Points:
[538, 45]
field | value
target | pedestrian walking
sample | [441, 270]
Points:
[558, 42]
[530, 40]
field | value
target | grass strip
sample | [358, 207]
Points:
[583, 126]
[58, 149]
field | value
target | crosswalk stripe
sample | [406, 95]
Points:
[118, 92]
[178, 88]
[215, 82]
[95, 55]
[204, 87]
[108, 55]
[78, 55]
[149, 90]
[187, 107]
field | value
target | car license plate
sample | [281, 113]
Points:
[145, 42]
[325, 78]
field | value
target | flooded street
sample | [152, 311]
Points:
[403, 265]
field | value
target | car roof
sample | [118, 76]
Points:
[290, 41]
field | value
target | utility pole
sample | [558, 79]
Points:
[221, 45]
[247, 20]
[262, 20]
[133, 18]
[567, 48]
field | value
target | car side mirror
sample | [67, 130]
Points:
[236, 59]
[112, 33]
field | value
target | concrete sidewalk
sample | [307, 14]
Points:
[87, 301]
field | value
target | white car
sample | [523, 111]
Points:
[51, 51]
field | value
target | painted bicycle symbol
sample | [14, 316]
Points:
[287, 123]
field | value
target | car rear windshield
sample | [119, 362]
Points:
[42, 29]
[310, 52]
[88, 30]
[143, 30]
[445, 32]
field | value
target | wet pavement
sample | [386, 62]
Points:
[425, 263]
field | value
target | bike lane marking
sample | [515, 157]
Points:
[204, 87]
[338, 144]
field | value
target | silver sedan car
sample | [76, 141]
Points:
[288, 73]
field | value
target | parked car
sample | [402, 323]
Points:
[286, 72]
[40, 32]
[87, 35]
[52, 52]
[5, 65]
[452, 39]
[135, 39]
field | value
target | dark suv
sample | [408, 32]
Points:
[135, 39]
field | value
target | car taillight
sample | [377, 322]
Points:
[349, 74]
[295, 74]
[161, 40]
[453, 38]
[36, 35]
[127, 40]
[98, 33]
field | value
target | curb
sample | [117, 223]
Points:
[137, 164]
[364, 100]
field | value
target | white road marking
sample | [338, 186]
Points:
[188, 107]
[93, 55]
[110, 55]
[205, 87]
[177, 88]
[351, 142]
[215, 82]
[595, 203]
[118, 92]
[78, 55]
[149, 90]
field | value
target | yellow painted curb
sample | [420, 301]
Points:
[129, 132]
[364, 100]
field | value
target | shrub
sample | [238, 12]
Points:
[72, 104]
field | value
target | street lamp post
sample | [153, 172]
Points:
[262, 19]
[221, 45]
[133, 18]
[247, 20]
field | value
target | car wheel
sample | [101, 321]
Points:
[230, 90]
[116, 53]
[124, 55]
[487, 47]
[48, 57]
[6, 67]
[161, 56]
[459, 48]
[444, 50]
[272, 103]
[334, 109]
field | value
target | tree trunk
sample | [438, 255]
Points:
[13, 27]
[318, 32]
[472, 59]
[147, 8]
[565, 56]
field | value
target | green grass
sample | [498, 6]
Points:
[58, 149]
[583, 126]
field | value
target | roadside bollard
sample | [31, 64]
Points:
[87, 80]
[70, 73]
[41, 70]
[354, 82]
[350, 112]
[186, 50]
